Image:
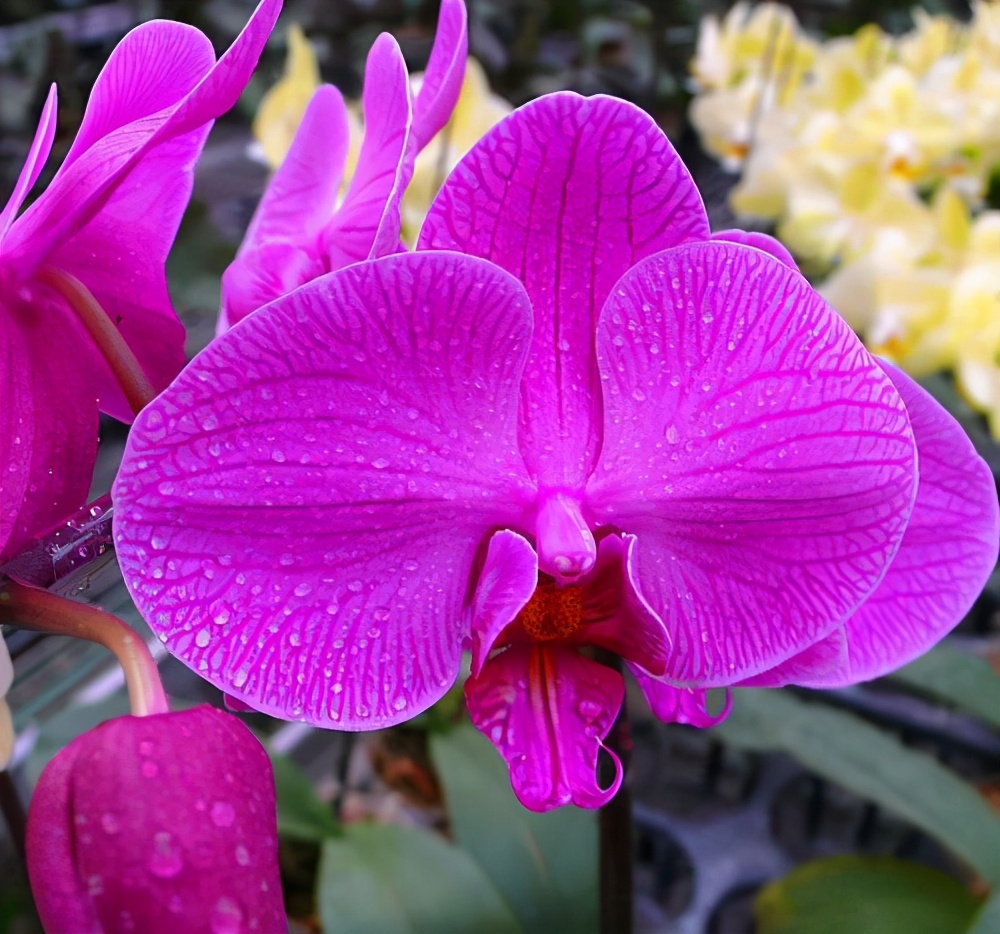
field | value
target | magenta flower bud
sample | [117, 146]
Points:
[156, 825]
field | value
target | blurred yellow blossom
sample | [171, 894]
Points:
[281, 109]
[843, 154]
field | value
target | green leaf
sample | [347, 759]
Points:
[864, 895]
[958, 678]
[301, 815]
[988, 919]
[872, 764]
[403, 880]
[544, 864]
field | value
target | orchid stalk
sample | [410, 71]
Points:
[33, 608]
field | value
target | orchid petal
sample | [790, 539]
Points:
[444, 74]
[616, 616]
[546, 709]
[759, 454]
[759, 241]
[302, 193]
[369, 221]
[505, 585]
[41, 146]
[49, 422]
[947, 553]
[154, 67]
[123, 196]
[566, 194]
[672, 704]
[362, 430]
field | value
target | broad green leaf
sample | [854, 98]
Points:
[872, 764]
[958, 678]
[544, 864]
[864, 895]
[987, 921]
[301, 815]
[390, 879]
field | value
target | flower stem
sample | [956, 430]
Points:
[615, 838]
[36, 609]
[105, 334]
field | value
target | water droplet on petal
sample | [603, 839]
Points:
[227, 918]
[222, 814]
[166, 860]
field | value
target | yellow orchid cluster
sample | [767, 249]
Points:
[282, 107]
[872, 155]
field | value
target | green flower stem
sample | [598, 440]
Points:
[36, 609]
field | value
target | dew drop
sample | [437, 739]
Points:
[380, 463]
[242, 856]
[222, 814]
[672, 434]
[227, 918]
[166, 860]
[149, 769]
[203, 638]
[110, 823]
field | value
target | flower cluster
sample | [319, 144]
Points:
[873, 154]
[573, 421]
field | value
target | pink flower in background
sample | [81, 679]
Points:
[106, 223]
[157, 824]
[298, 232]
[570, 419]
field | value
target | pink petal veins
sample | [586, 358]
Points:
[755, 449]
[110, 215]
[41, 146]
[566, 194]
[299, 513]
[547, 709]
[947, 553]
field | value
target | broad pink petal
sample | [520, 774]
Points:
[299, 513]
[546, 709]
[947, 553]
[49, 420]
[505, 584]
[673, 704]
[566, 194]
[443, 76]
[368, 222]
[156, 65]
[758, 453]
[41, 146]
[110, 215]
[759, 241]
[157, 824]
[617, 619]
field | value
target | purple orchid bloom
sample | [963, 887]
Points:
[298, 232]
[157, 824]
[82, 269]
[572, 418]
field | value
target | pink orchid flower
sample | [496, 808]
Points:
[298, 232]
[82, 269]
[157, 824]
[570, 419]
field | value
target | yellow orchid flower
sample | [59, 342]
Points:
[281, 109]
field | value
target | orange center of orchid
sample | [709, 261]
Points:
[553, 612]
